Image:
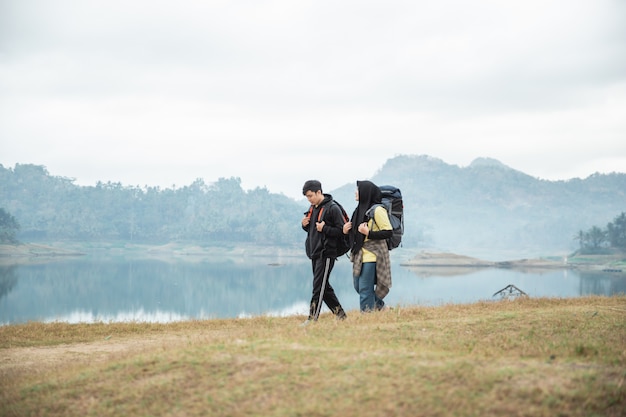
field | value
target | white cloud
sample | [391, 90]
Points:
[277, 92]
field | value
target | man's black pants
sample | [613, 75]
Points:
[319, 268]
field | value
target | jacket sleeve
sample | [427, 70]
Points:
[334, 224]
[306, 228]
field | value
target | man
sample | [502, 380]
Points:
[324, 226]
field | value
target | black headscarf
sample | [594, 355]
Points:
[369, 194]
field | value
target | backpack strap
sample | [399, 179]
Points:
[370, 212]
[319, 215]
[342, 211]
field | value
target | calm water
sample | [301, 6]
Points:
[87, 289]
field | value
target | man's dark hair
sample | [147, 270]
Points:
[311, 185]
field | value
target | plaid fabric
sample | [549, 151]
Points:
[383, 265]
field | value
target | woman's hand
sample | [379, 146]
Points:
[363, 229]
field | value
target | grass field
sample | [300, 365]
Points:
[528, 357]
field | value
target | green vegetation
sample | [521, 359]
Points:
[596, 239]
[485, 205]
[528, 357]
[8, 227]
[53, 208]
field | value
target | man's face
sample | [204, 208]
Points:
[314, 198]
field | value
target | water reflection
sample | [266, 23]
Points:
[8, 279]
[113, 290]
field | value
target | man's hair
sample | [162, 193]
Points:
[311, 185]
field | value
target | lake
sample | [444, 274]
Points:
[91, 289]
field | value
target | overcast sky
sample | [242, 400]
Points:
[278, 92]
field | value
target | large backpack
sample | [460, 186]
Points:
[343, 243]
[392, 202]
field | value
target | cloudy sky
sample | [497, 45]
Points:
[278, 92]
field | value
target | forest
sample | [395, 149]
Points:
[484, 205]
[596, 239]
[54, 208]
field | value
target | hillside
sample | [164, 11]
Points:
[489, 206]
[480, 209]
[524, 357]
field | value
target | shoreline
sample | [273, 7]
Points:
[602, 263]
[36, 252]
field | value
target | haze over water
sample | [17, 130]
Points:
[115, 290]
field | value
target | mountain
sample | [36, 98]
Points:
[490, 206]
[481, 208]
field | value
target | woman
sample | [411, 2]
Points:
[371, 269]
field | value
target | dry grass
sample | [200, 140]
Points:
[529, 357]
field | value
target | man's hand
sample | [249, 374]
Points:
[320, 226]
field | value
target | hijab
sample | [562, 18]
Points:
[369, 194]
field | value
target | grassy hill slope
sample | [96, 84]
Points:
[528, 357]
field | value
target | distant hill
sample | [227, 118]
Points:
[488, 205]
[483, 207]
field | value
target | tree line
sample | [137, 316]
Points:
[38, 206]
[9, 227]
[484, 206]
[596, 238]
